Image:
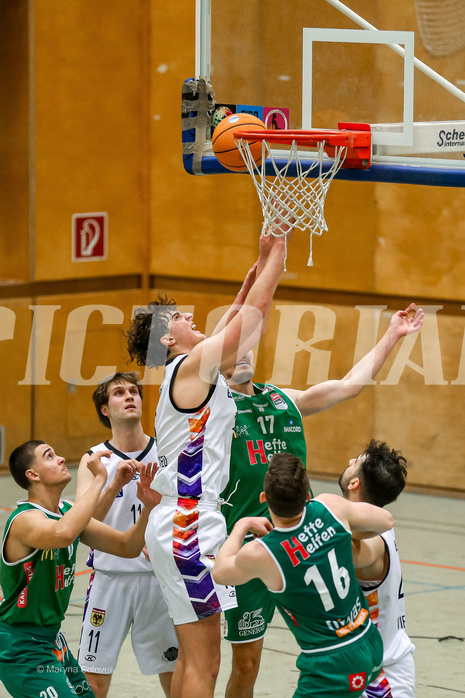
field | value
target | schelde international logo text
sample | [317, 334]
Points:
[450, 139]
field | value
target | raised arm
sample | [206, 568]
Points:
[324, 395]
[125, 543]
[265, 244]
[199, 370]
[121, 543]
[237, 563]
[33, 531]
[238, 301]
[365, 520]
[244, 330]
[124, 474]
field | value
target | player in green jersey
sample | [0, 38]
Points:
[306, 563]
[268, 421]
[38, 565]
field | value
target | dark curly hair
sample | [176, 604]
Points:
[382, 474]
[147, 328]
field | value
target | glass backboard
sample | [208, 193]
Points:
[304, 64]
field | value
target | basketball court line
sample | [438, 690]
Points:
[431, 564]
[435, 587]
[78, 574]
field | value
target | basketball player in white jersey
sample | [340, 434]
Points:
[194, 425]
[378, 476]
[123, 594]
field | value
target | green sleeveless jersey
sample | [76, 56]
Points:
[37, 588]
[267, 422]
[321, 600]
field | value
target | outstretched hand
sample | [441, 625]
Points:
[125, 472]
[247, 285]
[150, 498]
[406, 325]
[95, 465]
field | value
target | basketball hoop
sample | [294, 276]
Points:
[292, 191]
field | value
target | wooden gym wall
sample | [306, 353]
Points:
[90, 122]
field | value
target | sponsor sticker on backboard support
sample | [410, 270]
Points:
[272, 117]
[276, 117]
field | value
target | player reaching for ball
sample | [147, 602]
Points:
[194, 422]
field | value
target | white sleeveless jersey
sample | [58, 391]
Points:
[194, 447]
[124, 511]
[387, 606]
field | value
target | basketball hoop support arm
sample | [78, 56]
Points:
[203, 37]
[449, 86]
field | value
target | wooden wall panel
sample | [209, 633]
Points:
[79, 349]
[14, 135]
[421, 241]
[15, 392]
[90, 131]
[423, 414]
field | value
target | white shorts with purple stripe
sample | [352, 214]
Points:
[183, 537]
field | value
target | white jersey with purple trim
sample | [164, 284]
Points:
[387, 606]
[125, 510]
[194, 446]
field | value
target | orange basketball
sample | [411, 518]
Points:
[224, 146]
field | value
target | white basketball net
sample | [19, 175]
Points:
[294, 195]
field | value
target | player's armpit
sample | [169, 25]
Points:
[369, 558]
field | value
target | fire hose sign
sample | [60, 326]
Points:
[89, 236]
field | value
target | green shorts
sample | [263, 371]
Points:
[341, 673]
[255, 610]
[36, 663]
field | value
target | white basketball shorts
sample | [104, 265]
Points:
[117, 603]
[183, 537]
[396, 680]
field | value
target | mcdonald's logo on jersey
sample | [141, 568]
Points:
[46, 554]
[97, 617]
